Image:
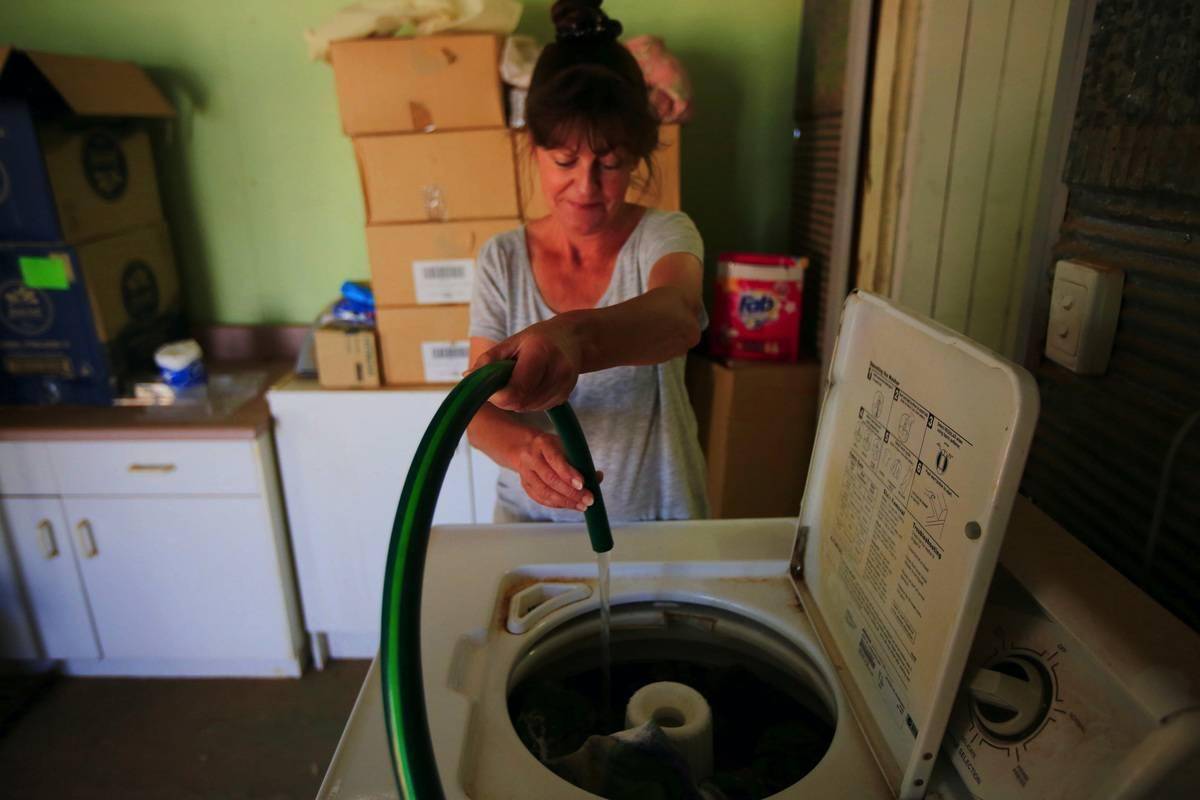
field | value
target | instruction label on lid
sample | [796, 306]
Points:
[445, 362]
[898, 502]
[443, 280]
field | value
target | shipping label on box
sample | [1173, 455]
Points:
[424, 344]
[445, 362]
[443, 280]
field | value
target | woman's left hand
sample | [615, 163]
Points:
[548, 357]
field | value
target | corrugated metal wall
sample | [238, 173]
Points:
[818, 118]
[1134, 173]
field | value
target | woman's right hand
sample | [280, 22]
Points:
[547, 477]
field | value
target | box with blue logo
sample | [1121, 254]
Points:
[75, 159]
[76, 321]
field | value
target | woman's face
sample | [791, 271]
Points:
[584, 191]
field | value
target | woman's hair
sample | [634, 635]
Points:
[587, 82]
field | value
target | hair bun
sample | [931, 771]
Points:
[583, 21]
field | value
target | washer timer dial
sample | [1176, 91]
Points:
[1036, 718]
[1011, 696]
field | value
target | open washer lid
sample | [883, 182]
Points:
[921, 443]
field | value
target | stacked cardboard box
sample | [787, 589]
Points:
[756, 422]
[441, 174]
[435, 159]
[88, 287]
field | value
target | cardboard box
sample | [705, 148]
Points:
[431, 263]
[76, 320]
[425, 83]
[423, 344]
[347, 357]
[757, 422]
[73, 167]
[662, 192]
[437, 176]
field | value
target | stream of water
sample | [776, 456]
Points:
[602, 562]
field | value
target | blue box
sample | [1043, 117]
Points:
[73, 181]
[77, 321]
[27, 212]
[75, 157]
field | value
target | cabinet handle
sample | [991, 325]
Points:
[45, 538]
[87, 542]
[162, 468]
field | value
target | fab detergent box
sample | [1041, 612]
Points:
[756, 307]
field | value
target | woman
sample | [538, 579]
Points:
[598, 302]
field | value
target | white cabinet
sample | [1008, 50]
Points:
[152, 557]
[16, 629]
[180, 577]
[41, 544]
[484, 474]
[343, 458]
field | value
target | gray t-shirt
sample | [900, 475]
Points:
[638, 421]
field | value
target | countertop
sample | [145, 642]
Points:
[299, 383]
[222, 417]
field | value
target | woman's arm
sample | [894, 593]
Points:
[536, 456]
[656, 326]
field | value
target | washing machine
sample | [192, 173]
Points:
[854, 651]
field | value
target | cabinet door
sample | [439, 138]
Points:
[181, 577]
[344, 457]
[16, 631]
[39, 543]
[484, 474]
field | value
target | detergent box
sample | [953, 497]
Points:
[756, 307]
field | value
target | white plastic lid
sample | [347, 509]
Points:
[175, 356]
[918, 453]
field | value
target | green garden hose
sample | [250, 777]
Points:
[400, 641]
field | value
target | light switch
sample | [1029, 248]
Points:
[1084, 305]
[1066, 315]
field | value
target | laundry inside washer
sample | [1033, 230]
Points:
[771, 716]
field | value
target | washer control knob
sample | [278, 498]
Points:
[1010, 697]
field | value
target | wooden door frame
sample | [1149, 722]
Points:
[898, 84]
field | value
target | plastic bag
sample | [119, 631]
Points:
[412, 17]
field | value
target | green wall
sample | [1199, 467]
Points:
[259, 184]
